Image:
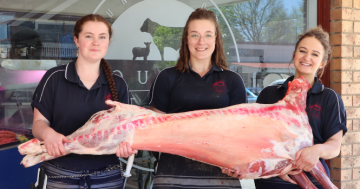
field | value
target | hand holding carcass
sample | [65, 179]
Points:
[286, 177]
[124, 150]
[235, 174]
[307, 158]
[54, 143]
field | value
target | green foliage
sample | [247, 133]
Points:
[263, 21]
[250, 21]
[225, 32]
[167, 37]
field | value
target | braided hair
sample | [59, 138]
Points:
[110, 79]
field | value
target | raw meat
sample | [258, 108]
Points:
[7, 137]
[7, 134]
[258, 140]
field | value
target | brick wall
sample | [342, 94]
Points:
[345, 79]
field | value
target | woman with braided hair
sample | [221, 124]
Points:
[65, 99]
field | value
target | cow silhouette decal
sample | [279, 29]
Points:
[163, 36]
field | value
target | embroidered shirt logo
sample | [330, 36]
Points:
[219, 87]
[108, 96]
[315, 111]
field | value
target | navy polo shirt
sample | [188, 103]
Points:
[173, 92]
[67, 104]
[326, 113]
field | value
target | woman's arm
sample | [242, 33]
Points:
[40, 125]
[331, 148]
[306, 158]
[53, 140]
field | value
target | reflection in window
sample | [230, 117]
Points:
[263, 36]
[37, 35]
[265, 32]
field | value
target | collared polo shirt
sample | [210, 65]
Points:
[326, 113]
[67, 104]
[173, 92]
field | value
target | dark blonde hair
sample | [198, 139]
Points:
[323, 36]
[78, 28]
[218, 56]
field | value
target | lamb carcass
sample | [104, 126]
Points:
[258, 140]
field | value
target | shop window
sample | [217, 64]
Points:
[259, 38]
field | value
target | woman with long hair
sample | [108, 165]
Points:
[200, 80]
[65, 99]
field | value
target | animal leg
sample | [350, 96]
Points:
[32, 146]
[281, 166]
[303, 181]
[320, 175]
[30, 160]
[134, 57]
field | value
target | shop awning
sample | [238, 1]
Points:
[71, 7]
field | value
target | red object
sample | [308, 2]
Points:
[258, 140]
[303, 181]
[6, 140]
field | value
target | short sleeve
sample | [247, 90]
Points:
[271, 95]
[237, 92]
[262, 98]
[43, 98]
[122, 90]
[334, 116]
[160, 91]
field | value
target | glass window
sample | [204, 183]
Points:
[259, 38]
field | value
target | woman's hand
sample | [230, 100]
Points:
[54, 143]
[235, 174]
[286, 177]
[124, 150]
[53, 140]
[307, 158]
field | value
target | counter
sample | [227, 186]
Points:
[12, 174]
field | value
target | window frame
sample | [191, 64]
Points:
[323, 19]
